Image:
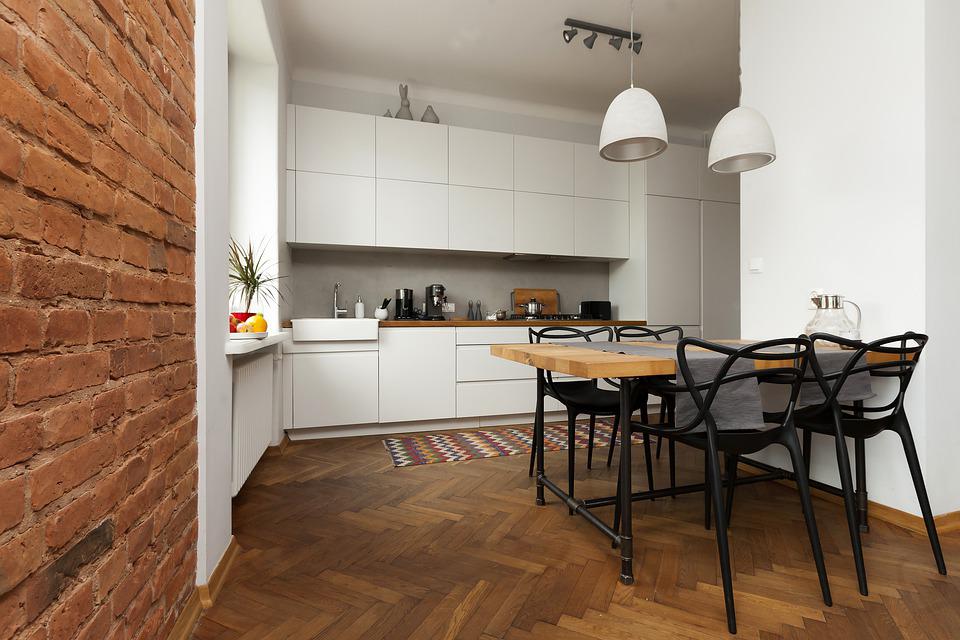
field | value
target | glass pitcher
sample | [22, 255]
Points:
[831, 317]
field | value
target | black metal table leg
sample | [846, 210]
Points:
[626, 487]
[861, 462]
[538, 437]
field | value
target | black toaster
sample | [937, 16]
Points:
[596, 310]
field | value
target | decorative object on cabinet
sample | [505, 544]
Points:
[633, 126]
[429, 115]
[403, 113]
[388, 114]
[741, 142]
[249, 280]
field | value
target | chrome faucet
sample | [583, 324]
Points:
[337, 311]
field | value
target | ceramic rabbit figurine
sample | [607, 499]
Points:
[403, 112]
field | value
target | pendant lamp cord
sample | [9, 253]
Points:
[630, 47]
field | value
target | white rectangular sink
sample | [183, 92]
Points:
[330, 329]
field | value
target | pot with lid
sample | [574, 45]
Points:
[531, 309]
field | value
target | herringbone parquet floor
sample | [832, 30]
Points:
[339, 544]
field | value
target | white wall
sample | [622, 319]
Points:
[842, 85]
[213, 371]
[942, 259]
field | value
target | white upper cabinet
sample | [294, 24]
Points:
[291, 136]
[594, 177]
[543, 166]
[718, 187]
[335, 142]
[543, 224]
[335, 209]
[481, 219]
[411, 150]
[412, 214]
[675, 172]
[481, 158]
[601, 228]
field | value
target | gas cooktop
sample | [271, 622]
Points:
[552, 316]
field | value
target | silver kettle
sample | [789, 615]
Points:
[531, 309]
[831, 316]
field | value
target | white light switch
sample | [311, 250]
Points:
[755, 265]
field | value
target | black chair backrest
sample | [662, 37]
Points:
[890, 357]
[781, 361]
[639, 332]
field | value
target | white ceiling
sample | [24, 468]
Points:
[513, 50]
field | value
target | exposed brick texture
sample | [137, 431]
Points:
[98, 449]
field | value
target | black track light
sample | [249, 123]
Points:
[637, 45]
[616, 42]
[589, 40]
[569, 34]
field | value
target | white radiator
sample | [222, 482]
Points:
[253, 414]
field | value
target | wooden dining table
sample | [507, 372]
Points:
[630, 369]
[587, 363]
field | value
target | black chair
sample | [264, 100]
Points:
[893, 357]
[638, 333]
[584, 397]
[781, 361]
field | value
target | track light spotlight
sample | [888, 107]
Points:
[637, 45]
[569, 34]
[616, 42]
[589, 40]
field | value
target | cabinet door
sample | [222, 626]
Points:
[594, 177]
[335, 141]
[601, 228]
[335, 209]
[410, 150]
[481, 158]
[481, 219]
[721, 270]
[412, 214]
[673, 261]
[675, 172]
[543, 166]
[719, 187]
[543, 224]
[418, 374]
[334, 388]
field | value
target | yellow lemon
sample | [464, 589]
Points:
[258, 323]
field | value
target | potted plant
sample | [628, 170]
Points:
[250, 281]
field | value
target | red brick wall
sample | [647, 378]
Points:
[98, 450]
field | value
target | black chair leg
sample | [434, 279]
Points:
[910, 449]
[613, 440]
[707, 490]
[571, 451]
[731, 463]
[663, 414]
[800, 472]
[860, 453]
[716, 493]
[593, 428]
[648, 458]
[671, 453]
[616, 512]
[846, 484]
[807, 450]
[537, 425]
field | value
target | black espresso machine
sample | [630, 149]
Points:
[434, 298]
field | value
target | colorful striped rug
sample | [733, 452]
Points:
[429, 448]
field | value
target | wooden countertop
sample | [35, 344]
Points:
[510, 323]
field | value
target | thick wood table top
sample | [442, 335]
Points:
[585, 363]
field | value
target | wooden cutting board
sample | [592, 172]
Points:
[549, 297]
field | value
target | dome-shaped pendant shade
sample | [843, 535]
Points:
[633, 127]
[741, 142]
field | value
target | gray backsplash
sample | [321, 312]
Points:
[375, 274]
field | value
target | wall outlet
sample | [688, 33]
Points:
[449, 307]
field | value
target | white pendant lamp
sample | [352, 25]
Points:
[633, 127]
[741, 142]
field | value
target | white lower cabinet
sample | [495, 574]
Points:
[418, 374]
[338, 388]
[500, 398]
